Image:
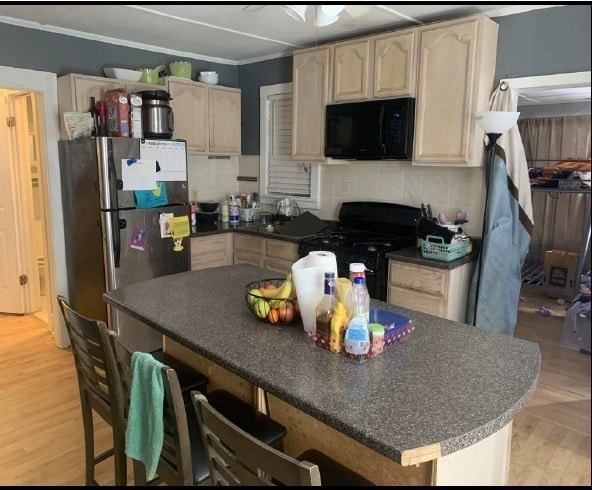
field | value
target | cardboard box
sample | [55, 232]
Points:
[136, 115]
[560, 269]
[117, 108]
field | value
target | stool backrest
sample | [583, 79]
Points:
[237, 458]
[98, 378]
[174, 467]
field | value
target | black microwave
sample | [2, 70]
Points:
[374, 130]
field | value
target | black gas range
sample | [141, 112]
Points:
[365, 233]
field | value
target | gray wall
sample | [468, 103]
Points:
[250, 78]
[540, 42]
[544, 42]
[45, 51]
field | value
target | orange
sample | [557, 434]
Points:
[271, 286]
[262, 289]
[273, 315]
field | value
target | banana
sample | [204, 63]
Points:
[284, 292]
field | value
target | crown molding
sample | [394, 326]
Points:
[111, 40]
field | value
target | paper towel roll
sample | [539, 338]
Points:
[308, 274]
[325, 260]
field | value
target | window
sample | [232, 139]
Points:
[280, 176]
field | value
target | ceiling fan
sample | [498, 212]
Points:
[324, 15]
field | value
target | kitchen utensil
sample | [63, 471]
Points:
[123, 74]
[180, 69]
[424, 211]
[157, 114]
[430, 215]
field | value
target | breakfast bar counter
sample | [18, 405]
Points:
[437, 407]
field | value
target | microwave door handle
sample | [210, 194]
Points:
[380, 128]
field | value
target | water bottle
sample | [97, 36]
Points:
[234, 212]
[357, 336]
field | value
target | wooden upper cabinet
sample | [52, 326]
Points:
[395, 57]
[352, 70]
[87, 87]
[190, 109]
[456, 67]
[225, 121]
[311, 82]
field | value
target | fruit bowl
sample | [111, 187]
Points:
[281, 309]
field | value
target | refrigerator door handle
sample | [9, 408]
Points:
[116, 239]
[113, 182]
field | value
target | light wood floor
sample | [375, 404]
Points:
[41, 439]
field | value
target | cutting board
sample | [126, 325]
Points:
[302, 226]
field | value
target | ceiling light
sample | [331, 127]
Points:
[297, 12]
[327, 14]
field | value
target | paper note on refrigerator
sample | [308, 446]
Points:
[170, 155]
[138, 175]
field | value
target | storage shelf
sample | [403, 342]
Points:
[583, 190]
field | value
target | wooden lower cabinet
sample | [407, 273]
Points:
[276, 255]
[248, 258]
[439, 292]
[211, 251]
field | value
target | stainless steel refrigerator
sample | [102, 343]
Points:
[99, 219]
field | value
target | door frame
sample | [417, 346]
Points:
[45, 83]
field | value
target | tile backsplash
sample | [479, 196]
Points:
[446, 189]
[211, 179]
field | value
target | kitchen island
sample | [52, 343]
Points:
[435, 409]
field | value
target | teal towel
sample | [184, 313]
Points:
[145, 430]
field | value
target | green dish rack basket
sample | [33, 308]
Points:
[433, 247]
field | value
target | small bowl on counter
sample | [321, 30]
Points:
[272, 310]
[208, 206]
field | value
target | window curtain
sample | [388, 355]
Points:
[558, 218]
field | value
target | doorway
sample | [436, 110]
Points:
[47, 262]
[22, 163]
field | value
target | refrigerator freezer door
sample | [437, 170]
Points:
[111, 153]
[157, 259]
[82, 227]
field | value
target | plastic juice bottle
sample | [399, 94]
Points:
[357, 335]
[338, 326]
[350, 303]
[326, 307]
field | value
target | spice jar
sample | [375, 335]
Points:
[377, 338]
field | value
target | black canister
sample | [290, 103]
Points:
[157, 114]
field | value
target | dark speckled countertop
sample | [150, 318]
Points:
[448, 383]
[249, 228]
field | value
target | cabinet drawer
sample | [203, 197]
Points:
[283, 266]
[282, 250]
[433, 281]
[207, 261]
[208, 245]
[249, 244]
[426, 303]
[248, 258]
